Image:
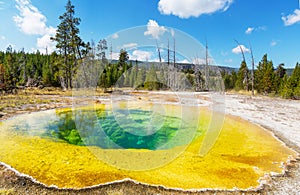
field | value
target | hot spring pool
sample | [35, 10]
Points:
[75, 148]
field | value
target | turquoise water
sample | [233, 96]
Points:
[134, 128]
[106, 128]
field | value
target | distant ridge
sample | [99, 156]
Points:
[180, 66]
[186, 66]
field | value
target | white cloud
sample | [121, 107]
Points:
[273, 43]
[228, 61]
[261, 28]
[185, 61]
[154, 30]
[192, 8]
[172, 32]
[237, 50]
[249, 30]
[31, 21]
[257, 29]
[1, 4]
[115, 55]
[198, 61]
[292, 18]
[141, 55]
[45, 42]
[2, 37]
[223, 53]
[115, 36]
[130, 46]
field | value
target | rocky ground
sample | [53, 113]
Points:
[279, 116]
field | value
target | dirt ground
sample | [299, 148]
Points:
[277, 115]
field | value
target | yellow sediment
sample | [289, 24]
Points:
[242, 154]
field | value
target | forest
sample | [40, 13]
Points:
[79, 64]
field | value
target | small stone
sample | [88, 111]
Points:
[2, 114]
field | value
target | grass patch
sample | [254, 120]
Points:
[7, 191]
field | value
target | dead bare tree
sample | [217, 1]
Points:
[252, 72]
[206, 65]
[175, 79]
[244, 60]
[168, 64]
[159, 53]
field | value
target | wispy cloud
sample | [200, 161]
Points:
[273, 43]
[115, 36]
[2, 37]
[200, 61]
[1, 5]
[31, 21]
[291, 18]
[184, 61]
[154, 30]
[130, 46]
[192, 8]
[228, 60]
[250, 30]
[223, 53]
[237, 49]
[141, 55]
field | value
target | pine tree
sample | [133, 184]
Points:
[68, 43]
[280, 72]
[265, 76]
[294, 82]
[242, 77]
[151, 81]
[139, 82]
[102, 47]
[229, 79]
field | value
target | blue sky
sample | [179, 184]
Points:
[270, 26]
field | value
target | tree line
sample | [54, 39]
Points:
[79, 64]
[84, 62]
[267, 79]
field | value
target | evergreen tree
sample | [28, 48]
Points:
[12, 68]
[139, 82]
[292, 88]
[133, 74]
[265, 76]
[242, 77]
[69, 44]
[229, 79]
[162, 77]
[151, 81]
[190, 79]
[280, 72]
[102, 47]
[123, 58]
[199, 83]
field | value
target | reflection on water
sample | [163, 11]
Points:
[102, 127]
[33, 124]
